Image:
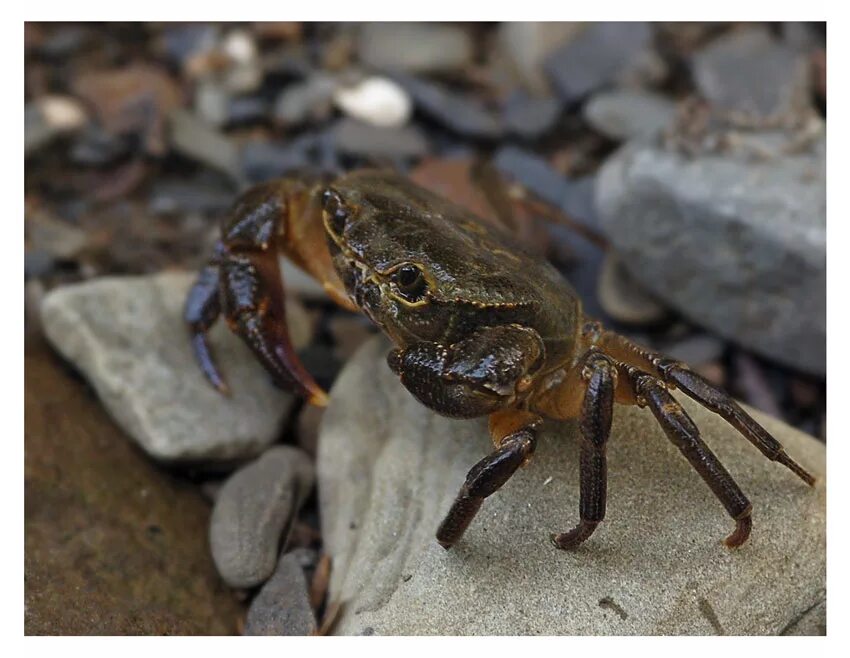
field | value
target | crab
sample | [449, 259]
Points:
[480, 327]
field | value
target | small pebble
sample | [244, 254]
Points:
[376, 101]
[356, 138]
[282, 606]
[253, 509]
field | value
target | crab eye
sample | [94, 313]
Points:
[333, 205]
[410, 282]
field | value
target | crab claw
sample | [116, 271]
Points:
[269, 339]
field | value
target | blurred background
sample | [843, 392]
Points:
[681, 167]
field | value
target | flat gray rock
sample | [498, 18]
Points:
[127, 336]
[252, 511]
[389, 469]
[736, 243]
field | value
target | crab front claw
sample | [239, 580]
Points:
[243, 281]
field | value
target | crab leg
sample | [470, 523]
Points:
[595, 424]
[683, 433]
[484, 479]
[696, 387]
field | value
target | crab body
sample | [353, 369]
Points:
[480, 327]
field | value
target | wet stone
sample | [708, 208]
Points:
[623, 298]
[253, 509]
[389, 470]
[595, 57]
[262, 161]
[126, 335]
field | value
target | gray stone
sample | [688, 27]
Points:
[311, 99]
[625, 299]
[748, 71]
[282, 606]
[596, 57]
[127, 336]
[198, 140]
[416, 47]
[737, 245]
[264, 160]
[253, 509]
[356, 138]
[526, 44]
[624, 114]
[389, 469]
[531, 118]
[461, 113]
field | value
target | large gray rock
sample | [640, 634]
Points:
[252, 510]
[736, 243]
[127, 336]
[389, 469]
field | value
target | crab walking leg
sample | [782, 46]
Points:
[596, 415]
[484, 479]
[201, 312]
[683, 433]
[694, 386]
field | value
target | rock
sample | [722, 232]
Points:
[126, 335]
[736, 245]
[133, 99]
[310, 100]
[596, 57]
[415, 47]
[114, 546]
[623, 298]
[282, 607]
[376, 101]
[460, 113]
[253, 509]
[211, 102]
[529, 117]
[182, 43]
[696, 349]
[527, 44]
[356, 138]
[247, 109]
[196, 139]
[48, 117]
[624, 114]
[748, 72]
[389, 469]
[264, 160]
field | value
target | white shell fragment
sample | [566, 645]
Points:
[377, 101]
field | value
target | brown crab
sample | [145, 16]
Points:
[481, 327]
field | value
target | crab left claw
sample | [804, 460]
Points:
[243, 282]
